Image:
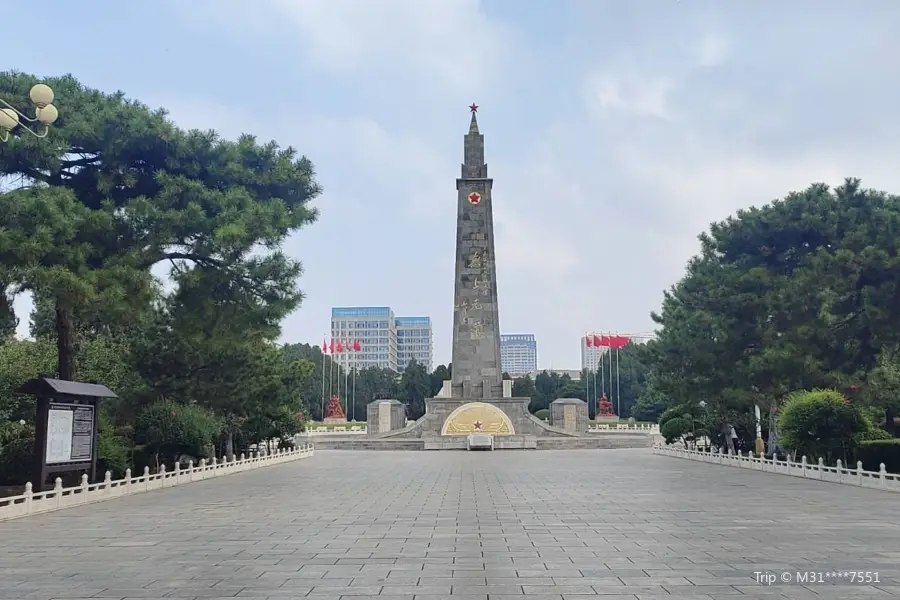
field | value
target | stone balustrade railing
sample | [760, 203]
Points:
[840, 473]
[624, 427]
[30, 502]
[340, 429]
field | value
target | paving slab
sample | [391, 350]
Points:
[522, 525]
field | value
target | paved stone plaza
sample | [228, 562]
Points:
[427, 525]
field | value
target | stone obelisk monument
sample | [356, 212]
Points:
[477, 403]
[476, 324]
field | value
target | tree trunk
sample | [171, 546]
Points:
[889, 424]
[65, 343]
[229, 446]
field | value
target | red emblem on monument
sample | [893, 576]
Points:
[477, 425]
[475, 198]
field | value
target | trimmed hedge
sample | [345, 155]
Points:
[543, 414]
[874, 452]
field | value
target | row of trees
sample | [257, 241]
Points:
[630, 397]
[114, 195]
[801, 294]
[415, 384]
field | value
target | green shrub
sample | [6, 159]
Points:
[113, 452]
[17, 454]
[168, 430]
[543, 414]
[874, 452]
[821, 424]
[673, 428]
[676, 412]
[870, 435]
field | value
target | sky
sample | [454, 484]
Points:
[615, 131]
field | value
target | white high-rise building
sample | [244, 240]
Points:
[518, 353]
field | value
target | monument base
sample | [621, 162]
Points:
[448, 423]
[461, 442]
[570, 414]
[384, 416]
[479, 441]
[594, 441]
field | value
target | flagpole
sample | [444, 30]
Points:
[330, 377]
[346, 381]
[618, 381]
[618, 416]
[587, 379]
[347, 378]
[354, 391]
[343, 397]
[324, 354]
[602, 372]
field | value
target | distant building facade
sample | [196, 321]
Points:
[385, 341]
[414, 341]
[518, 353]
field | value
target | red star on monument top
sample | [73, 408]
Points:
[473, 107]
[477, 425]
[474, 198]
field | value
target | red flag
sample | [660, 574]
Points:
[618, 341]
[332, 346]
[587, 341]
[597, 340]
[604, 340]
[340, 347]
[356, 346]
[324, 346]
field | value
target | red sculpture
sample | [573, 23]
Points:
[605, 408]
[334, 410]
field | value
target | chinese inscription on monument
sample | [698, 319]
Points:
[481, 287]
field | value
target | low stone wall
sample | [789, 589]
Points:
[597, 441]
[363, 443]
[594, 441]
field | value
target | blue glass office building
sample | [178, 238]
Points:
[386, 341]
[518, 354]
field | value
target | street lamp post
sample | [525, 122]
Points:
[11, 120]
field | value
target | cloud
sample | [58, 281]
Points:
[628, 93]
[452, 44]
[713, 50]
